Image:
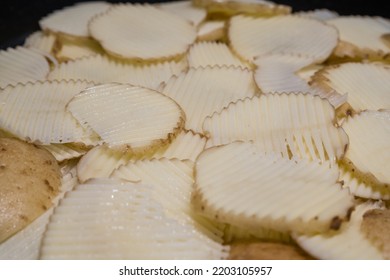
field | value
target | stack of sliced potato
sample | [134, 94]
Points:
[202, 129]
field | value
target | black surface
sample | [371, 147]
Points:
[19, 18]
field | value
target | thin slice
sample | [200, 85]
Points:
[22, 65]
[186, 10]
[36, 112]
[205, 54]
[360, 36]
[128, 118]
[104, 69]
[367, 84]
[124, 32]
[253, 37]
[347, 244]
[296, 125]
[368, 156]
[212, 30]
[41, 41]
[73, 20]
[201, 92]
[320, 14]
[72, 49]
[110, 219]
[241, 185]
[65, 151]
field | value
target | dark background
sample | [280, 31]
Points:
[19, 18]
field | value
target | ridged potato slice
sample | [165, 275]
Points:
[75, 48]
[320, 14]
[252, 37]
[295, 125]
[368, 153]
[128, 118]
[241, 185]
[361, 37]
[366, 84]
[185, 10]
[202, 91]
[104, 69]
[212, 30]
[63, 152]
[73, 20]
[110, 219]
[124, 32]
[205, 54]
[36, 112]
[22, 65]
[348, 243]
[41, 40]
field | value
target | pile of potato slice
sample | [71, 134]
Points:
[184, 129]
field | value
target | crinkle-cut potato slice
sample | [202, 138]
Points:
[212, 30]
[25, 244]
[368, 153]
[202, 91]
[205, 54]
[361, 37]
[142, 33]
[234, 234]
[184, 9]
[253, 37]
[367, 84]
[250, 7]
[376, 227]
[101, 161]
[73, 20]
[295, 125]
[40, 40]
[320, 14]
[239, 184]
[260, 250]
[36, 112]
[103, 69]
[128, 118]
[76, 48]
[349, 243]
[63, 152]
[130, 225]
[173, 181]
[306, 73]
[22, 65]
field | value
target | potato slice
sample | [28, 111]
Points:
[104, 69]
[128, 118]
[368, 156]
[41, 41]
[205, 54]
[63, 152]
[360, 37]
[295, 125]
[250, 7]
[35, 112]
[73, 20]
[203, 91]
[124, 32]
[241, 185]
[366, 84]
[348, 243]
[212, 30]
[253, 37]
[130, 225]
[72, 49]
[185, 10]
[22, 65]
[320, 14]
[101, 161]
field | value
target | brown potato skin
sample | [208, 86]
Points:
[29, 180]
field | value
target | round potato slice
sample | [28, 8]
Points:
[142, 33]
[184, 9]
[128, 118]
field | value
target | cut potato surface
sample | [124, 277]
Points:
[128, 118]
[240, 185]
[22, 65]
[73, 20]
[186, 10]
[124, 32]
[63, 152]
[320, 14]
[104, 69]
[72, 49]
[367, 84]
[347, 244]
[201, 92]
[295, 125]
[130, 225]
[368, 154]
[35, 112]
[212, 30]
[41, 41]
[253, 37]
